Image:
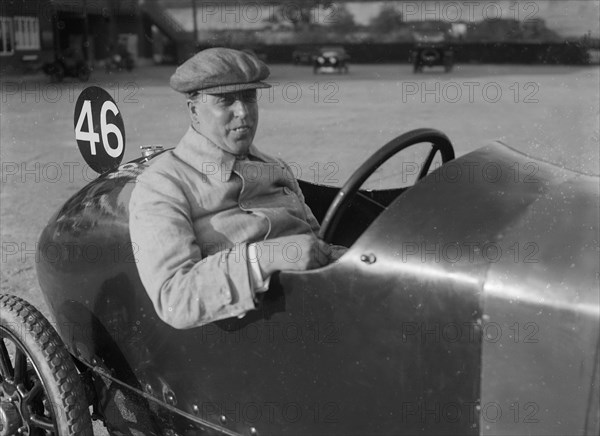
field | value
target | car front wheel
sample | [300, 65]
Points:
[41, 393]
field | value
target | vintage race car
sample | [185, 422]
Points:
[466, 304]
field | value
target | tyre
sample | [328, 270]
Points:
[41, 393]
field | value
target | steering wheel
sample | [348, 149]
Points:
[439, 142]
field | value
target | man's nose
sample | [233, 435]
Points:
[240, 109]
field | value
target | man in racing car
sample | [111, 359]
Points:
[212, 219]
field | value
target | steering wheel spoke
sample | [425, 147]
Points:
[428, 161]
[371, 200]
[439, 141]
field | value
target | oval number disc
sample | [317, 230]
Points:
[99, 129]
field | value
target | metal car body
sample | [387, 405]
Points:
[466, 304]
[331, 60]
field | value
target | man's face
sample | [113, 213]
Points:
[229, 120]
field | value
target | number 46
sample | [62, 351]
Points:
[105, 128]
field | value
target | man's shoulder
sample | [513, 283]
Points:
[164, 165]
[165, 174]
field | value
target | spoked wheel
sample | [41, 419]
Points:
[41, 393]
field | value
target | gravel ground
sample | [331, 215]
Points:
[325, 125]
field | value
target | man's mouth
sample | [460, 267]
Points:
[241, 129]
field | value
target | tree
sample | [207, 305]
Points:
[340, 18]
[388, 19]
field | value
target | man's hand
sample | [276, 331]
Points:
[296, 252]
[337, 251]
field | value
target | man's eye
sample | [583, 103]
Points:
[226, 100]
[249, 96]
[245, 97]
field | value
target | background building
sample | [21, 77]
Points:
[33, 32]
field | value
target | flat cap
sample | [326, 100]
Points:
[218, 71]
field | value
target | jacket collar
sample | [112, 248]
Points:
[205, 156]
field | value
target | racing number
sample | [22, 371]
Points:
[95, 110]
[105, 128]
[90, 135]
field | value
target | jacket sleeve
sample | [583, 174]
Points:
[187, 288]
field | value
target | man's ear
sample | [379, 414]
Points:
[192, 109]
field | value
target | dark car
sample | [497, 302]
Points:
[304, 55]
[431, 50]
[331, 60]
[68, 64]
[466, 304]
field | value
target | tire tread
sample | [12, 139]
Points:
[59, 360]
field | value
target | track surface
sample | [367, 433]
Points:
[324, 125]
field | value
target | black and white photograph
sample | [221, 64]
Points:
[299, 218]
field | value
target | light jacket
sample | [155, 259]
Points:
[192, 214]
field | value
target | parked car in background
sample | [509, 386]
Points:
[304, 55]
[431, 49]
[331, 60]
[68, 64]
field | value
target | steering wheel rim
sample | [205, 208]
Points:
[439, 141]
